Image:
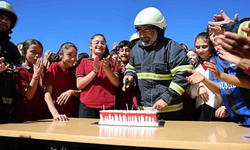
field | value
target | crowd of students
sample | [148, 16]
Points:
[148, 71]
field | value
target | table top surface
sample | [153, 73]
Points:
[174, 134]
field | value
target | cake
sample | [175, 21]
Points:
[128, 117]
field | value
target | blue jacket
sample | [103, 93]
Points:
[236, 99]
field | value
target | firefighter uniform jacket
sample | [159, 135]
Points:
[7, 87]
[236, 26]
[161, 73]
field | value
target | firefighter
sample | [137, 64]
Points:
[9, 51]
[134, 39]
[159, 65]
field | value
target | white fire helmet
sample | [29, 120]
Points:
[7, 9]
[150, 16]
[135, 36]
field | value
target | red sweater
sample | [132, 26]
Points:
[28, 110]
[62, 80]
[100, 91]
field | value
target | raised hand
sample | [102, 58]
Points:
[3, 67]
[96, 64]
[223, 17]
[213, 68]
[47, 55]
[195, 78]
[38, 68]
[219, 20]
[234, 43]
[229, 56]
[115, 45]
[106, 63]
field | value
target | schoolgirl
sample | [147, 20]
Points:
[61, 94]
[97, 77]
[29, 83]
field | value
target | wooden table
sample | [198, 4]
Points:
[174, 134]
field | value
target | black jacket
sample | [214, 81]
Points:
[236, 26]
[7, 88]
[161, 73]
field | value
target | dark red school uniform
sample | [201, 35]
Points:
[28, 110]
[61, 80]
[100, 91]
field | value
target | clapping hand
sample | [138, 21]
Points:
[3, 67]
